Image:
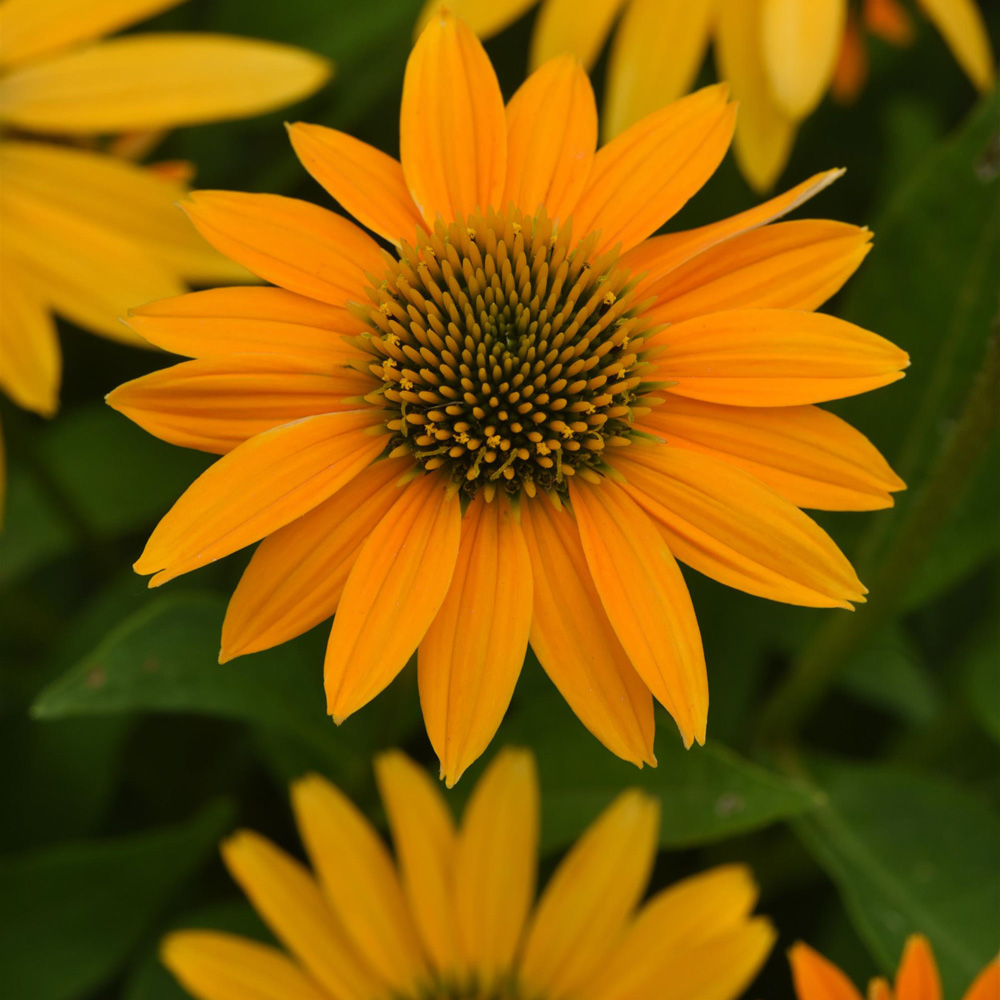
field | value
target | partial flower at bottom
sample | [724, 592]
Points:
[454, 917]
[512, 426]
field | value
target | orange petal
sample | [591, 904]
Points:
[485, 19]
[816, 978]
[663, 254]
[359, 880]
[724, 523]
[258, 487]
[396, 587]
[790, 265]
[425, 839]
[775, 357]
[367, 182]
[551, 138]
[646, 600]
[452, 133]
[215, 404]
[801, 39]
[765, 134]
[808, 455]
[246, 321]
[646, 175]
[296, 576]
[851, 71]
[471, 656]
[575, 643]
[917, 977]
[291, 243]
[986, 986]
[494, 868]
[888, 20]
[290, 902]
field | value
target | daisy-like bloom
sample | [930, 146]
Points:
[917, 978]
[505, 429]
[86, 233]
[452, 918]
[780, 56]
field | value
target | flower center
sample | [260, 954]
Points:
[506, 354]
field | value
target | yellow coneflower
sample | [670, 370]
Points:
[917, 978]
[507, 428]
[780, 56]
[453, 917]
[84, 233]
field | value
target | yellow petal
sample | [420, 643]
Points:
[776, 357]
[158, 81]
[551, 138]
[917, 977]
[30, 360]
[790, 265]
[646, 600]
[215, 404]
[31, 28]
[662, 254]
[816, 978]
[259, 487]
[291, 243]
[452, 134]
[657, 50]
[808, 455]
[485, 19]
[471, 656]
[291, 904]
[681, 925]
[367, 182]
[424, 835]
[589, 898]
[643, 177]
[359, 880]
[396, 587]
[765, 133]
[121, 197]
[495, 865]
[214, 966]
[986, 986]
[567, 27]
[575, 643]
[721, 521]
[296, 576]
[247, 321]
[87, 271]
[801, 39]
[962, 25]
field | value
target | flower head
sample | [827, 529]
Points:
[780, 56]
[454, 916]
[505, 429]
[86, 232]
[917, 978]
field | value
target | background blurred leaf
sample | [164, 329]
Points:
[72, 914]
[909, 853]
[982, 673]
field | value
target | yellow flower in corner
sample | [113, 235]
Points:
[917, 978]
[779, 56]
[507, 429]
[84, 233]
[453, 917]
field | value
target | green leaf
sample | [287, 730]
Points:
[982, 673]
[910, 853]
[72, 914]
[163, 659]
[706, 793]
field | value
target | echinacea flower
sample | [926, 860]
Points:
[505, 429]
[816, 978]
[779, 56]
[453, 916]
[87, 234]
